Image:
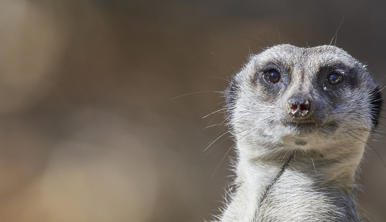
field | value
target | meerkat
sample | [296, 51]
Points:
[300, 118]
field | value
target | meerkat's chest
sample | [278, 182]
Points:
[295, 197]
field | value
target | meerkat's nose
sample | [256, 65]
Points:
[298, 107]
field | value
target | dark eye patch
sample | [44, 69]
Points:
[271, 73]
[271, 79]
[335, 77]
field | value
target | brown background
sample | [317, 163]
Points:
[101, 101]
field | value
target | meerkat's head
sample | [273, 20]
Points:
[292, 98]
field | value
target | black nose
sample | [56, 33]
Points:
[299, 107]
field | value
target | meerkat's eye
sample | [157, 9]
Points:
[335, 78]
[272, 75]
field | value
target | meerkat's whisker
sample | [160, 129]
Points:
[215, 140]
[221, 161]
[215, 125]
[214, 112]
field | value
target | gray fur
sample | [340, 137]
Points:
[299, 172]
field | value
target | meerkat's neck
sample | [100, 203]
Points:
[295, 185]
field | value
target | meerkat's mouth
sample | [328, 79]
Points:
[301, 124]
[305, 127]
[302, 127]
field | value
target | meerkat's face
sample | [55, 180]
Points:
[302, 98]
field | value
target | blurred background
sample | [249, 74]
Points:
[102, 101]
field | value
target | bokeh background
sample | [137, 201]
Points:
[102, 102]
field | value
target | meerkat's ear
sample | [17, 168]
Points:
[376, 102]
